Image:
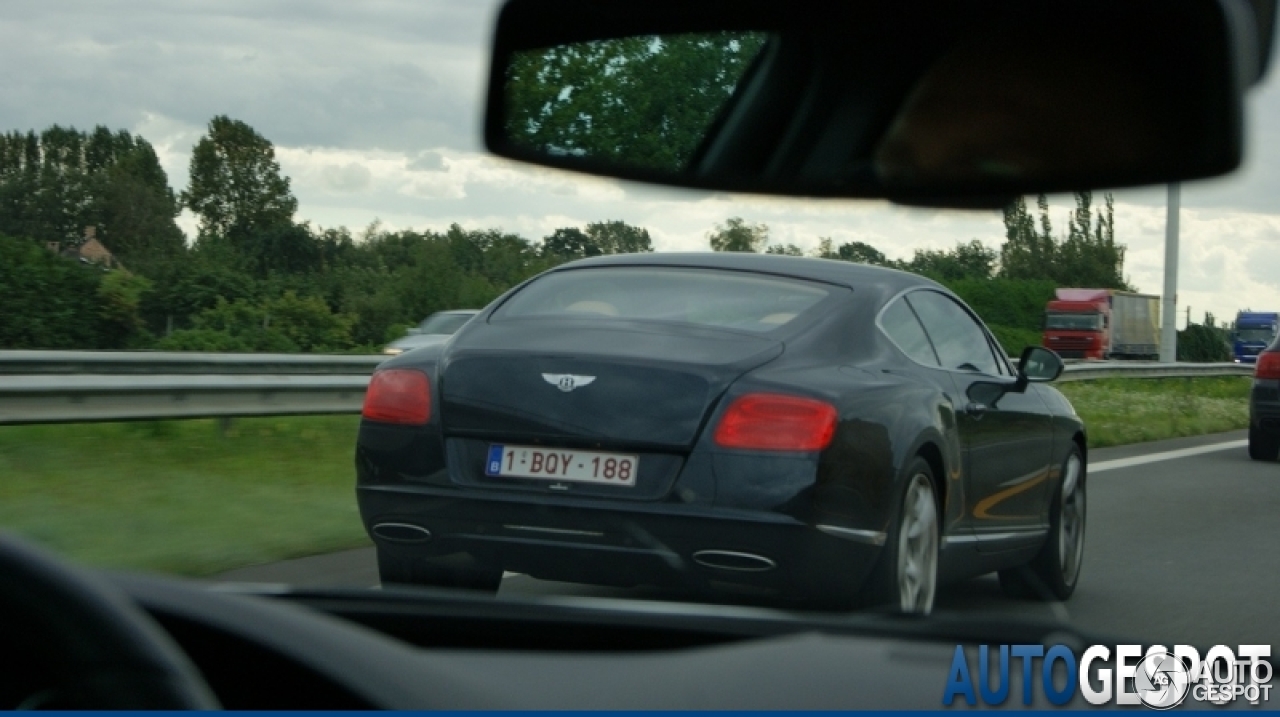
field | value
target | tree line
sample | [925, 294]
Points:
[256, 279]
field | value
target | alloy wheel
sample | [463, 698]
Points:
[918, 547]
[1071, 519]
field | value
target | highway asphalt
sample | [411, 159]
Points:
[1182, 547]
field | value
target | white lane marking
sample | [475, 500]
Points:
[1164, 456]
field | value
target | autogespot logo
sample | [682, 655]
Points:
[1162, 680]
[1158, 678]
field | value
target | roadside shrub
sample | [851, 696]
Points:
[1015, 340]
[1012, 303]
[211, 340]
[1199, 343]
[50, 302]
[119, 297]
[288, 324]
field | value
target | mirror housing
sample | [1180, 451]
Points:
[927, 102]
[1038, 365]
[988, 393]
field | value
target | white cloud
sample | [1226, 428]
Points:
[426, 161]
[350, 177]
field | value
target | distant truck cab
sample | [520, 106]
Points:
[1102, 324]
[1254, 332]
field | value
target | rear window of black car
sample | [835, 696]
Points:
[721, 299]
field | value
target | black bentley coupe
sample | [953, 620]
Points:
[828, 433]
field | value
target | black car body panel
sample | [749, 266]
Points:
[815, 520]
[663, 380]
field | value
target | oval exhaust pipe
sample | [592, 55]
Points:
[732, 560]
[401, 532]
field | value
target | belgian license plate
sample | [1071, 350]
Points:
[564, 465]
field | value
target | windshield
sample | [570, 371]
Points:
[705, 298]
[1073, 322]
[443, 323]
[1255, 336]
[214, 219]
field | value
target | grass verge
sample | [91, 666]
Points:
[1133, 410]
[181, 496]
[184, 497]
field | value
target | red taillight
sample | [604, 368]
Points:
[1268, 365]
[773, 422]
[398, 395]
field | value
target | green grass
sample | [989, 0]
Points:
[180, 496]
[1120, 411]
[183, 497]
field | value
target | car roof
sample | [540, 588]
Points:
[831, 271]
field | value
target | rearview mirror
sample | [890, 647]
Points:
[922, 101]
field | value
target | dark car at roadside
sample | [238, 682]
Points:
[1264, 405]
[826, 433]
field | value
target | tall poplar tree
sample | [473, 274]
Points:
[236, 188]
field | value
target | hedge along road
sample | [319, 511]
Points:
[1179, 550]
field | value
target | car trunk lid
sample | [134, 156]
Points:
[591, 383]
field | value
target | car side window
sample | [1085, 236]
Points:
[1003, 367]
[899, 322]
[960, 341]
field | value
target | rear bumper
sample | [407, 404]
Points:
[1264, 406]
[703, 549]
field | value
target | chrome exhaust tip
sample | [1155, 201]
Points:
[401, 532]
[732, 560]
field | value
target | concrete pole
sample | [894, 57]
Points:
[1169, 319]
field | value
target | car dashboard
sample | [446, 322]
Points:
[266, 647]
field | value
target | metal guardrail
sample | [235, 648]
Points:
[87, 386]
[175, 362]
[1143, 369]
[86, 397]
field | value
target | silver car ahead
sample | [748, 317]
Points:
[433, 329]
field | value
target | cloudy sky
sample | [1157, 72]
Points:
[374, 108]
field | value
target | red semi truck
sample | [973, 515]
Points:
[1102, 324]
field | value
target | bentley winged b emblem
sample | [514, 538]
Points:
[567, 382]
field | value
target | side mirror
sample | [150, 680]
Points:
[1038, 365]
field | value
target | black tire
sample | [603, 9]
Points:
[396, 568]
[1053, 573]
[1262, 446]
[890, 584]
